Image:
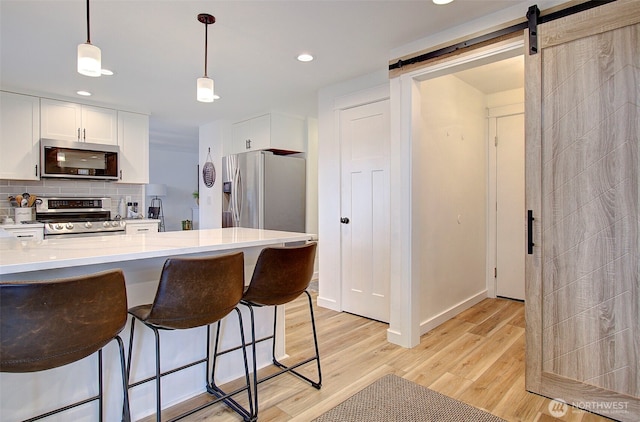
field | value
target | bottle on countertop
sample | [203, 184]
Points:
[122, 209]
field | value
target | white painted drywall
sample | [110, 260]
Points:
[212, 136]
[175, 168]
[449, 195]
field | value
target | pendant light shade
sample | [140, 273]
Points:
[205, 90]
[89, 60]
[205, 84]
[89, 56]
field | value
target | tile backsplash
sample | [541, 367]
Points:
[69, 188]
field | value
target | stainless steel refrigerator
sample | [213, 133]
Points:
[264, 191]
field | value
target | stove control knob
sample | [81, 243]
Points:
[105, 224]
[59, 226]
[69, 226]
[88, 224]
[52, 226]
[115, 224]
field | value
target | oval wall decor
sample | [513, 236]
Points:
[209, 171]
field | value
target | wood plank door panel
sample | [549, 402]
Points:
[582, 140]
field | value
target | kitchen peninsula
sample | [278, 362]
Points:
[141, 258]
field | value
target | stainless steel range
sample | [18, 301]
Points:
[75, 217]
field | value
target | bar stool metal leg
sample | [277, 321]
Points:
[213, 388]
[316, 384]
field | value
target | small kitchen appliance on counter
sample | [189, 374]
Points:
[76, 217]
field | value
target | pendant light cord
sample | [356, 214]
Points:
[206, 39]
[88, 31]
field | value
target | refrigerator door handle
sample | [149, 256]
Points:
[236, 196]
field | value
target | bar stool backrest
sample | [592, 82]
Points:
[47, 324]
[194, 292]
[281, 274]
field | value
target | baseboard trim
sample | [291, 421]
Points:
[328, 303]
[395, 337]
[446, 315]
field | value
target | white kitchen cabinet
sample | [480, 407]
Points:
[19, 135]
[272, 131]
[25, 232]
[133, 139]
[141, 226]
[78, 122]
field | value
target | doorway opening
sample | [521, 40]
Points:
[502, 83]
[468, 196]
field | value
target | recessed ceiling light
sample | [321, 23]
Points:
[442, 1]
[84, 93]
[106, 72]
[305, 57]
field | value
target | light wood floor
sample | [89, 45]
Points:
[476, 357]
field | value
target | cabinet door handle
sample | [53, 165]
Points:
[120, 174]
[84, 134]
[78, 134]
[247, 144]
[344, 220]
[36, 170]
[530, 243]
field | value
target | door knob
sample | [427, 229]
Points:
[344, 220]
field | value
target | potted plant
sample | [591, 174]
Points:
[196, 196]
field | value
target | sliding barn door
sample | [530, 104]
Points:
[582, 184]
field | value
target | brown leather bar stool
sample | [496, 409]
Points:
[281, 275]
[48, 324]
[196, 292]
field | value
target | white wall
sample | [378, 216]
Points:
[504, 98]
[212, 139]
[177, 169]
[311, 223]
[449, 179]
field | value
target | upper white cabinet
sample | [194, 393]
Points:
[78, 122]
[133, 139]
[270, 131]
[19, 134]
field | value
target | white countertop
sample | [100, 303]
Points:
[17, 256]
[30, 225]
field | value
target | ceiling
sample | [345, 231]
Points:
[156, 49]
[495, 77]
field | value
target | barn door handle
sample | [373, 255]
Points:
[344, 220]
[530, 243]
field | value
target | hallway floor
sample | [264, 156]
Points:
[476, 357]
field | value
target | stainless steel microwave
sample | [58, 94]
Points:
[79, 160]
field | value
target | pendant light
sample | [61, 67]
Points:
[205, 85]
[89, 56]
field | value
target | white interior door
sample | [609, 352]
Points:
[364, 137]
[510, 212]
